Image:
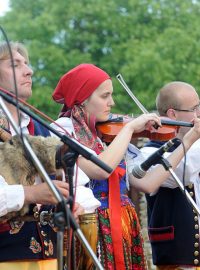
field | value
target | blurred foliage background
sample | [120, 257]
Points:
[150, 42]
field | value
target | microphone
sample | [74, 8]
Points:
[139, 171]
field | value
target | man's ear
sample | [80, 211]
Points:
[171, 113]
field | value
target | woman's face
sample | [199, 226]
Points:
[100, 102]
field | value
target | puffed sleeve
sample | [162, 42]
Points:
[11, 197]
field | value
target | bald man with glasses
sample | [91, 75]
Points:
[173, 226]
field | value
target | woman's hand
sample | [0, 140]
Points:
[144, 121]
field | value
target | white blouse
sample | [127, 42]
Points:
[84, 195]
[192, 165]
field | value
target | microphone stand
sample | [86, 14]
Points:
[168, 167]
[70, 159]
[62, 216]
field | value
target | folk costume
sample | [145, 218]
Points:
[25, 244]
[120, 245]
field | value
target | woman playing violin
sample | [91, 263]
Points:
[86, 92]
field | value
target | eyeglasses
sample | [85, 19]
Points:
[195, 109]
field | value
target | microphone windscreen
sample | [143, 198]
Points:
[138, 172]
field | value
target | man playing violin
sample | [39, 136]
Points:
[172, 224]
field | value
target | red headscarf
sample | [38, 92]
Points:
[78, 84]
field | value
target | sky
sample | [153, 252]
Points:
[3, 6]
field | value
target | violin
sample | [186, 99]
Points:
[108, 130]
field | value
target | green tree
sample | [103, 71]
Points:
[150, 42]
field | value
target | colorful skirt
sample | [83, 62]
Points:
[132, 240]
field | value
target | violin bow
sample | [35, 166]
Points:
[125, 86]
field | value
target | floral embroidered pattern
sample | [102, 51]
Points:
[132, 240]
[15, 226]
[35, 246]
[50, 248]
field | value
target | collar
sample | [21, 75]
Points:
[25, 121]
